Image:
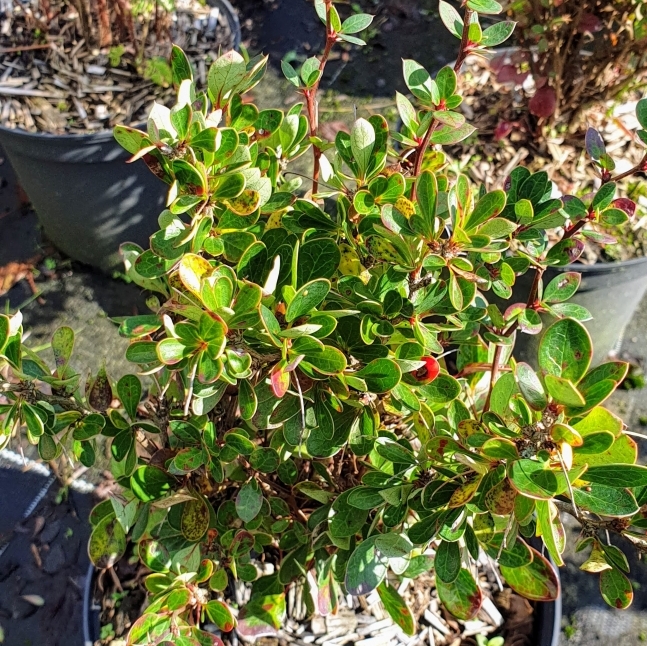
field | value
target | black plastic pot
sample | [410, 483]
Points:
[610, 291]
[87, 198]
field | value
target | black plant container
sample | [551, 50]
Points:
[87, 198]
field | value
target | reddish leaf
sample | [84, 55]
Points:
[589, 23]
[502, 130]
[544, 103]
[626, 205]
[507, 74]
[280, 380]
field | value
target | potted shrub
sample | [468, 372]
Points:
[299, 412]
[569, 65]
[71, 72]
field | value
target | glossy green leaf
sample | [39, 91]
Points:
[563, 391]
[448, 561]
[307, 298]
[249, 501]
[150, 483]
[380, 375]
[605, 501]
[616, 589]
[366, 568]
[618, 476]
[565, 350]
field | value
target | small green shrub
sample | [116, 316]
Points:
[300, 410]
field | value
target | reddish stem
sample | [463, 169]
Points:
[424, 144]
[311, 98]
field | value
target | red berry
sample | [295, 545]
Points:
[427, 373]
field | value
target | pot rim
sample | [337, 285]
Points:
[601, 266]
[107, 134]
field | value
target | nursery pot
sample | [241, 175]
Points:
[87, 198]
[611, 291]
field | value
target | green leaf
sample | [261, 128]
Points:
[130, 139]
[240, 442]
[618, 476]
[290, 73]
[142, 352]
[180, 66]
[318, 258]
[362, 143]
[500, 449]
[366, 568]
[247, 400]
[310, 71]
[420, 83]
[489, 206]
[328, 360]
[535, 480]
[530, 386]
[447, 136]
[397, 608]
[462, 597]
[595, 443]
[497, 34]
[224, 75]
[562, 287]
[641, 112]
[380, 375]
[62, 346]
[221, 615]
[307, 298]
[47, 447]
[606, 501]
[107, 543]
[448, 561]
[565, 350]
[451, 18]
[394, 452]
[129, 391]
[264, 459]
[441, 390]
[345, 520]
[549, 526]
[365, 498]
[536, 581]
[563, 391]
[616, 589]
[249, 501]
[150, 483]
[485, 6]
[356, 23]
[446, 82]
[503, 390]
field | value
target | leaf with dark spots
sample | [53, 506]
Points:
[536, 581]
[616, 589]
[463, 597]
